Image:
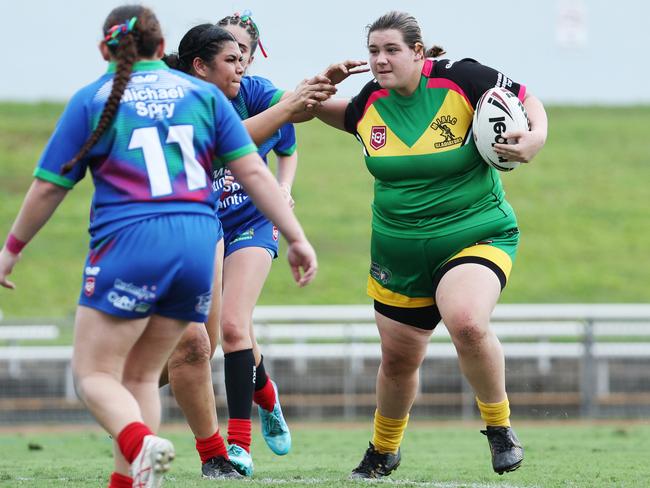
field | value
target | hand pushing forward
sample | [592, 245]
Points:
[336, 73]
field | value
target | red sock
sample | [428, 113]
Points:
[130, 439]
[210, 447]
[239, 432]
[265, 396]
[120, 481]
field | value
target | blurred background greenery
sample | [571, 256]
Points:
[582, 208]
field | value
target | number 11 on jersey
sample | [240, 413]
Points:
[147, 139]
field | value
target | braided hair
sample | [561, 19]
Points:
[203, 41]
[130, 32]
[245, 21]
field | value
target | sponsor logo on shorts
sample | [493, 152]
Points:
[380, 273]
[244, 236]
[122, 301]
[142, 307]
[92, 270]
[442, 124]
[378, 137]
[140, 292]
[203, 303]
[276, 233]
[89, 286]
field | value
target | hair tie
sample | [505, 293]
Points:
[118, 31]
[247, 18]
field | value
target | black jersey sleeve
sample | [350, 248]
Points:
[475, 78]
[357, 106]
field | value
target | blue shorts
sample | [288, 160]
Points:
[163, 265]
[220, 229]
[259, 232]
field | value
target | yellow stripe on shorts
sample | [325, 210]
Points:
[387, 297]
[491, 253]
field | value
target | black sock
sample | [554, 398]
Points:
[239, 369]
[261, 377]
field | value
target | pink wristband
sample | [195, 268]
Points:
[14, 245]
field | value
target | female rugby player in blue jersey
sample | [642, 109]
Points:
[211, 53]
[153, 231]
[443, 236]
[251, 244]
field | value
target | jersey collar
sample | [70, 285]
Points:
[411, 99]
[146, 65]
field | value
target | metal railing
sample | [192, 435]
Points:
[589, 360]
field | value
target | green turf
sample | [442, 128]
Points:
[582, 207]
[444, 455]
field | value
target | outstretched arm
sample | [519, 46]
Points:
[41, 201]
[332, 112]
[291, 108]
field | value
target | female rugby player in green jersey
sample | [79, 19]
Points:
[443, 236]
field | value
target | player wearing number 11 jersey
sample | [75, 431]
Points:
[155, 159]
[158, 153]
[150, 138]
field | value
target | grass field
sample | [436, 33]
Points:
[445, 455]
[582, 207]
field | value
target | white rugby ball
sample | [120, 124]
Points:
[497, 111]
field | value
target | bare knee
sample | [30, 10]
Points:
[467, 331]
[399, 363]
[235, 334]
[193, 348]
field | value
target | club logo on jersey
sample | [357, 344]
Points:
[380, 273]
[442, 124]
[378, 137]
[276, 233]
[89, 286]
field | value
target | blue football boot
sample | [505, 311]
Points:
[240, 459]
[274, 428]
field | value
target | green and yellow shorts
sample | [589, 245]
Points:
[405, 272]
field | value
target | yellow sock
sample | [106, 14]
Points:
[495, 414]
[388, 433]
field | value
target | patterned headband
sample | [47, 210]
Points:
[118, 31]
[247, 18]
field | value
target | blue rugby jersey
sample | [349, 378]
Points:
[255, 95]
[169, 133]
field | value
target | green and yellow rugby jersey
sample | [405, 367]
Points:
[429, 177]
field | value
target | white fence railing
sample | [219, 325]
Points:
[594, 336]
